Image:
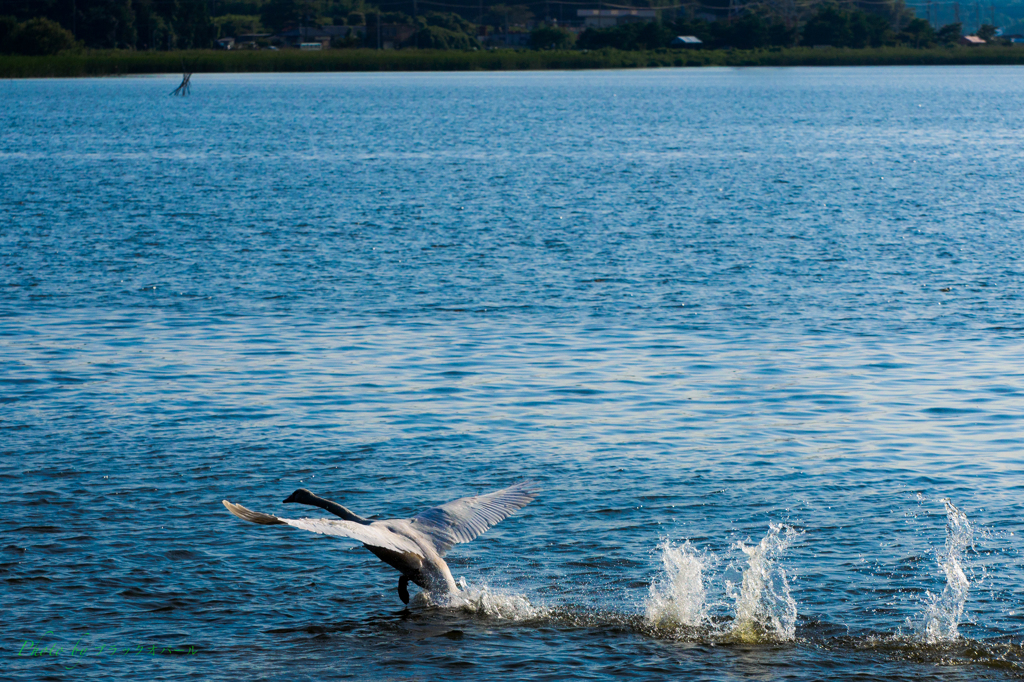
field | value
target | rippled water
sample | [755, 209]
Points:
[755, 333]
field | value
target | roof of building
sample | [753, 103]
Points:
[689, 40]
[973, 40]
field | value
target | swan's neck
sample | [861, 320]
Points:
[337, 510]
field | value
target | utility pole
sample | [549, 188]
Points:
[992, 14]
[956, 11]
[977, 14]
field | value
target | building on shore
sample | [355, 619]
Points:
[303, 37]
[250, 41]
[687, 41]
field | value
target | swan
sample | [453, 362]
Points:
[413, 547]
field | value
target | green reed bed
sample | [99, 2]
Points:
[119, 62]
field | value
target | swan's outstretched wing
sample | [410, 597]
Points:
[463, 519]
[372, 534]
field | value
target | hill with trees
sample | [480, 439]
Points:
[51, 26]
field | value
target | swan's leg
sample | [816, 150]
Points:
[403, 588]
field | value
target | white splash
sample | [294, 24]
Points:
[765, 610]
[484, 601]
[943, 612]
[679, 597]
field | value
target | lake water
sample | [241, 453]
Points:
[755, 333]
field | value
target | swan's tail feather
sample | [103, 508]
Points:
[252, 516]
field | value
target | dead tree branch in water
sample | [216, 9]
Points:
[186, 78]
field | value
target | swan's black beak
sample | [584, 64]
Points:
[291, 498]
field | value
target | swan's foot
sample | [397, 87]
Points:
[403, 588]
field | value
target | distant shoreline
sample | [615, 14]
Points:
[124, 62]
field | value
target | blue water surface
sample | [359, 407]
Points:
[776, 308]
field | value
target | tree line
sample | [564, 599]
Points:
[109, 24]
[829, 26]
[50, 26]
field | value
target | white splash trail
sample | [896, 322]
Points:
[765, 609]
[943, 612]
[483, 601]
[680, 596]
